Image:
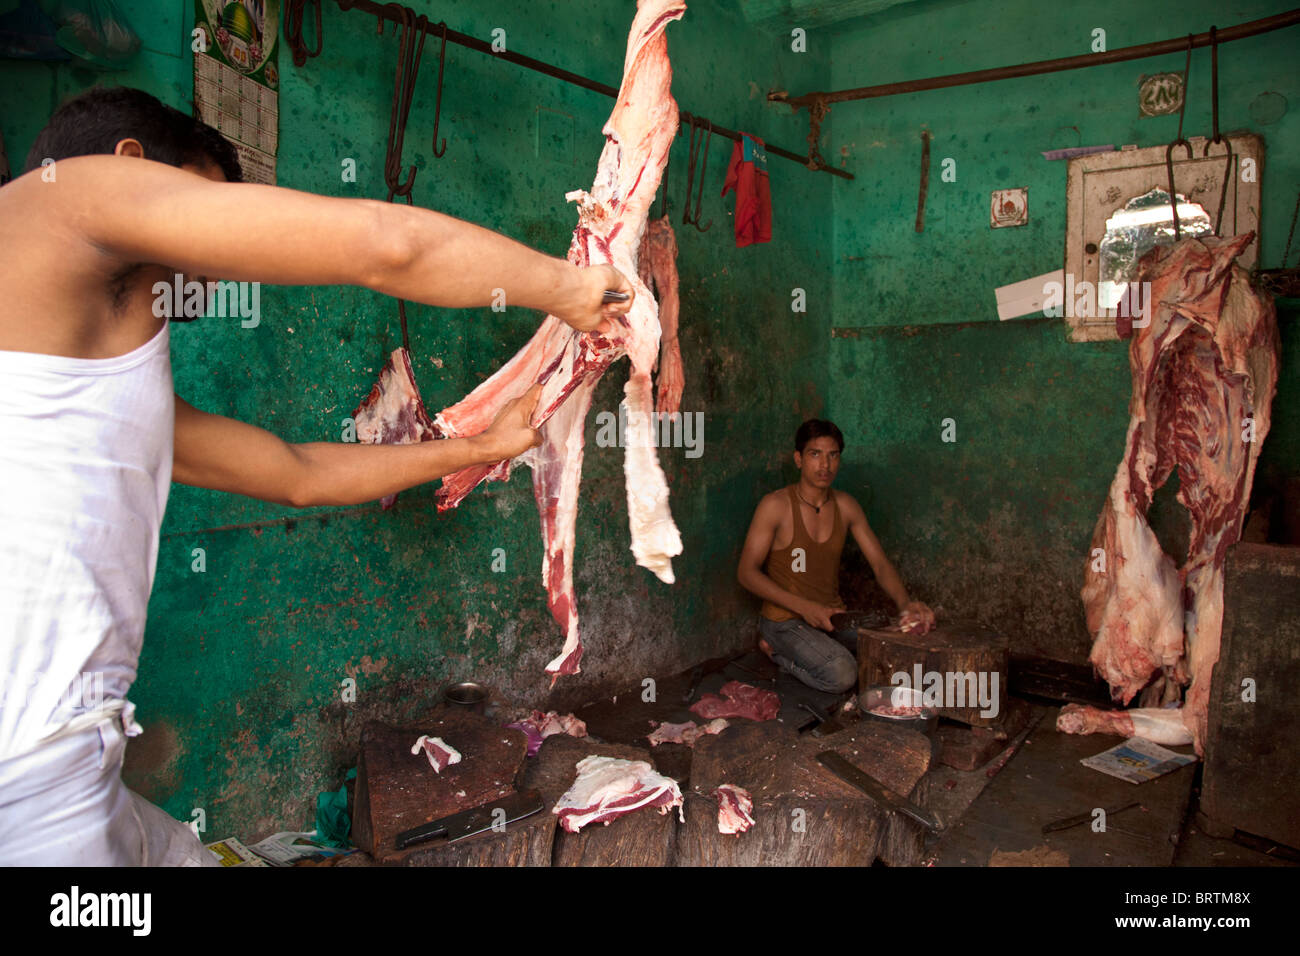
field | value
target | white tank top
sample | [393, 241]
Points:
[85, 467]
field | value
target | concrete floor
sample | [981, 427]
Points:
[987, 813]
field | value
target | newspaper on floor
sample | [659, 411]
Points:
[286, 849]
[1137, 760]
[230, 852]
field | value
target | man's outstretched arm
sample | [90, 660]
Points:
[226, 455]
[135, 210]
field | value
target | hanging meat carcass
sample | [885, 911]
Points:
[1204, 372]
[611, 220]
[657, 263]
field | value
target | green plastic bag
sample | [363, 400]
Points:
[333, 825]
[93, 30]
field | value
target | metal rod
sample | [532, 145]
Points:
[482, 46]
[1240, 32]
[925, 180]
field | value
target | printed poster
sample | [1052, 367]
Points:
[237, 79]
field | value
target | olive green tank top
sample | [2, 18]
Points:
[814, 573]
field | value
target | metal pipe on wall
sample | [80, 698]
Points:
[1160, 48]
[391, 12]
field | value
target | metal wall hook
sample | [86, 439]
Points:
[1169, 151]
[409, 52]
[689, 217]
[437, 110]
[293, 17]
[1173, 193]
[1214, 83]
[1227, 178]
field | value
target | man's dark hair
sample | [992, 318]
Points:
[817, 428]
[95, 121]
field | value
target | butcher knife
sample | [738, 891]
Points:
[467, 823]
[826, 725]
[857, 777]
[1074, 821]
[612, 296]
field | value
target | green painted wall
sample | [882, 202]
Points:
[997, 524]
[240, 677]
[239, 687]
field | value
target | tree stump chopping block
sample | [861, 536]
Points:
[803, 814]
[641, 838]
[952, 661]
[397, 790]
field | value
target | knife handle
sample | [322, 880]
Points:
[420, 834]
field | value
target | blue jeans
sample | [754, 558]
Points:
[822, 661]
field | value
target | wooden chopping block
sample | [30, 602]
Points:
[641, 838]
[397, 790]
[965, 748]
[803, 814]
[955, 647]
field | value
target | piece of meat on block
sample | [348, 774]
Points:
[643, 838]
[686, 733]
[735, 809]
[440, 753]
[738, 700]
[608, 788]
[396, 791]
[803, 814]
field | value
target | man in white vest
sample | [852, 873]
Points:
[121, 193]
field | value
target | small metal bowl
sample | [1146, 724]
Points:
[887, 696]
[468, 695]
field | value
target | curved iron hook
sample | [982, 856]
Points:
[1169, 151]
[699, 196]
[690, 174]
[663, 183]
[1173, 193]
[408, 68]
[293, 17]
[437, 110]
[1227, 178]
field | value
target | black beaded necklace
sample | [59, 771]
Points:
[816, 508]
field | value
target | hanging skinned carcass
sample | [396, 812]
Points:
[657, 263]
[568, 364]
[1204, 368]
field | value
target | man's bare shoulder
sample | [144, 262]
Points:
[65, 175]
[771, 507]
[848, 505]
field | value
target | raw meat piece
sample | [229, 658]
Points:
[611, 219]
[735, 809]
[1164, 725]
[607, 787]
[741, 700]
[393, 414]
[657, 263]
[441, 755]
[686, 733]
[1205, 363]
[540, 725]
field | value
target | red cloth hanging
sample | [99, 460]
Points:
[747, 175]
